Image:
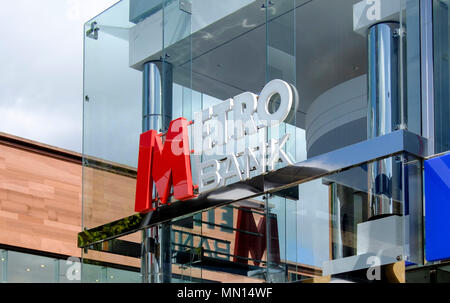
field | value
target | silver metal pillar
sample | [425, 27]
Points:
[386, 113]
[157, 96]
[156, 265]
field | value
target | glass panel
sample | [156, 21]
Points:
[227, 63]
[414, 210]
[225, 244]
[332, 67]
[16, 267]
[282, 239]
[3, 266]
[367, 211]
[328, 226]
[248, 237]
[300, 225]
[239, 248]
[441, 24]
[313, 213]
[112, 90]
[228, 58]
[114, 275]
[188, 249]
[69, 270]
[25, 268]
[281, 64]
[122, 251]
[344, 222]
[178, 54]
[323, 50]
[108, 194]
[112, 114]
[93, 274]
[411, 78]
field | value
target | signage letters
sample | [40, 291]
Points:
[231, 143]
[164, 164]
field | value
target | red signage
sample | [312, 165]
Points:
[166, 165]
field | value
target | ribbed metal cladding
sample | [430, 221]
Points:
[156, 266]
[386, 113]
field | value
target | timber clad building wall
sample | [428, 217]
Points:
[40, 196]
[41, 199]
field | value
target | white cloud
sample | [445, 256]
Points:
[40, 126]
[41, 60]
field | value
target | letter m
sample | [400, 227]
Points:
[166, 165]
[252, 238]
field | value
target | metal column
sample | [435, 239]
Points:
[386, 113]
[157, 96]
[156, 266]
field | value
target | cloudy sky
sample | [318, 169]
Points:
[41, 68]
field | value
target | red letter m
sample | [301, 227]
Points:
[166, 165]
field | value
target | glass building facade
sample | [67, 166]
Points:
[370, 83]
[21, 267]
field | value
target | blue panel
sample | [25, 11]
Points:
[437, 208]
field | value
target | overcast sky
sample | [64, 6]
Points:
[41, 64]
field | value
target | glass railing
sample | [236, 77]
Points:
[19, 267]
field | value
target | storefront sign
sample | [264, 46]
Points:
[237, 129]
[166, 165]
[230, 143]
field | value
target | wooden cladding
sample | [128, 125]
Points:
[40, 200]
[107, 197]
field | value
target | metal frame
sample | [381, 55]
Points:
[427, 72]
[427, 90]
[377, 148]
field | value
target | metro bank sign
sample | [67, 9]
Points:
[224, 150]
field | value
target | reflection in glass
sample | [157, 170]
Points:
[225, 244]
[441, 23]
[367, 213]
